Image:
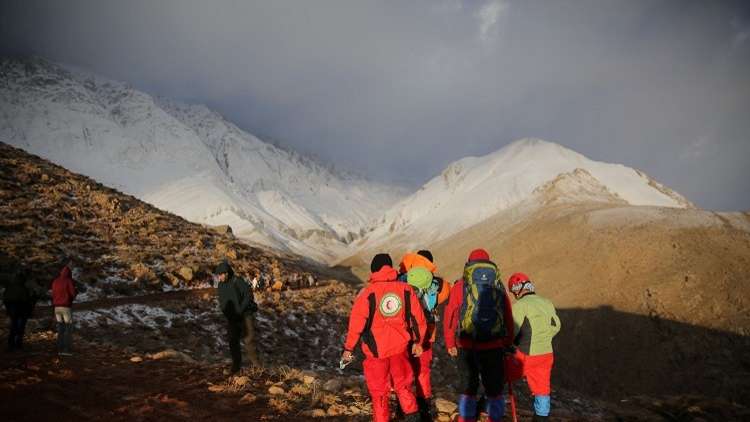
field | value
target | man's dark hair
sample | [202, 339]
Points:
[379, 261]
[427, 254]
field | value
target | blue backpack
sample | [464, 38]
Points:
[428, 297]
[482, 312]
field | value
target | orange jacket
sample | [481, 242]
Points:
[386, 316]
[411, 260]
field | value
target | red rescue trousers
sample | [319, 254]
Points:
[537, 370]
[379, 373]
[421, 366]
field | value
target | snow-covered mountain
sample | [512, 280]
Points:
[184, 159]
[474, 189]
[189, 160]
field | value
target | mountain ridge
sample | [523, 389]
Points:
[185, 159]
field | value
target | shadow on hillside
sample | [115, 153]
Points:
[607, 353]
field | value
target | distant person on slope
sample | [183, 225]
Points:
[19, 298]
[386, 317]
[237, 303]
[478, 326]
[536, 323]
[63, 294]
[418, 270]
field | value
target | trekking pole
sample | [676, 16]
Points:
[513, 412]
[512, 402]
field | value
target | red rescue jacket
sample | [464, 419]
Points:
[63, 290]
[386, 316]
[450, 323]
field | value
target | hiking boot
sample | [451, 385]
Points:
[425, 409]
[412, 417]
[232, 370]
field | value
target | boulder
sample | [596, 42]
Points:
[308, 379]
[241, 381]
[248, 398]
[317, 413]
[333, 385]
[276, 390]
[136, 359]
[172, 354]
[445, 406]
[216, 388]
[336, 410]
[186, 273]
[225, 229]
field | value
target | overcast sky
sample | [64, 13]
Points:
[396, 90]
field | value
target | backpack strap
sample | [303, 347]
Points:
[411, 322]
[367, 337]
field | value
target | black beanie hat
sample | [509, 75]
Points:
[427, 254]
[379, 261]
[224, 268]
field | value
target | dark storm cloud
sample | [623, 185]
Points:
[399, 89]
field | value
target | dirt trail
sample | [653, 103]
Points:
[101, 382]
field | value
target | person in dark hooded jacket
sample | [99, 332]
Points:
[63, 294]
[238, 306]
[19, 298]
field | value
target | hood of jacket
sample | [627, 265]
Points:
[411, 260]
[386, 273]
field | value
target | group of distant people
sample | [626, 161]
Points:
[262, 282]
[491, 341]
[21, 295]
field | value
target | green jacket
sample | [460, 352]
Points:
[536, 322]
[236, 298]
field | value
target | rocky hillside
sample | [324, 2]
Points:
[122, 246]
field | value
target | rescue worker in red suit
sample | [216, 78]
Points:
[387, 317]
[431, 297]
[478, 360]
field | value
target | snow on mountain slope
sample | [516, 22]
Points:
[475, 188]
[297, 190]
[184, 159]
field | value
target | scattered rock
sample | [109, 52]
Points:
[276, 390]
[336, 410]
[241, 381]
[248, 398]
[136, 359]
[216, 388]
[172, 354]
[186, 273]
[223, 229]
[333, 385]
[308, 379]
[317, 413]
[445, 406]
